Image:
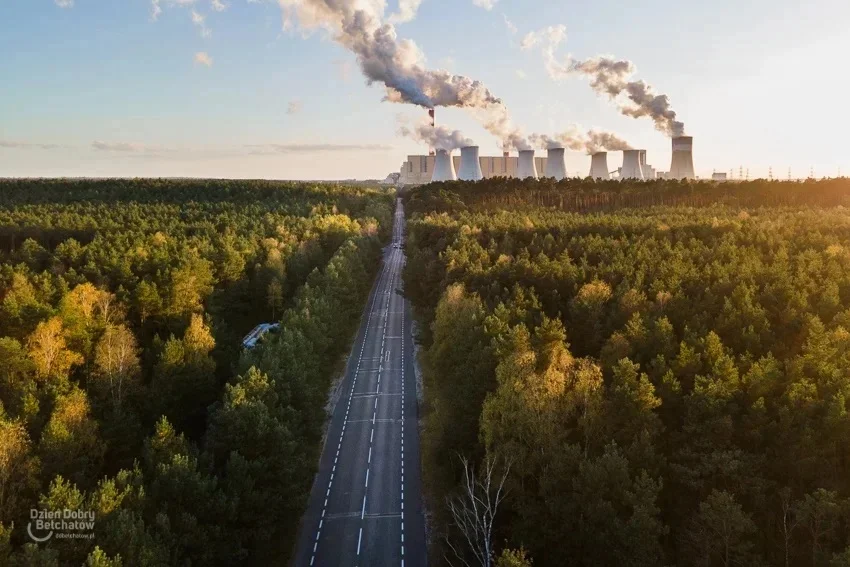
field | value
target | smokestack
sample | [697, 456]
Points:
[599, 166]
[431, 114]
[632, 164]
[526, 167]
[682, 165]
[444, 168]
[556, 165]
[470, 165]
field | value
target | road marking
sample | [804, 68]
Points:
[363, 509]
[374, 295]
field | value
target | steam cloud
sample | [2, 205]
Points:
[574, 139]
[608, 77]
[611, 77]
[399, 64]
[437, 137]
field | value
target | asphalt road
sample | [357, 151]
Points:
[365, 507]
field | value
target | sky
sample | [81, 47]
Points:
[222, 88]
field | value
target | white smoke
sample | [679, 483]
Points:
[548, 39]
[609, 77]
[398, 64]
[407, 10]
[612, 77]
[437, 137]
[573, 138]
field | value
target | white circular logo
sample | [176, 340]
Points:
[38, 539]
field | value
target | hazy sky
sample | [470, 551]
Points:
[217, 88]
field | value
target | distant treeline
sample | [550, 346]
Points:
[670, 383]
[587, 195]
[123, 386]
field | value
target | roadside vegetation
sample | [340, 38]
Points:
[661, 371]
[123, 386]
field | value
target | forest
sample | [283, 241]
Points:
[659, 371]
[124, 388]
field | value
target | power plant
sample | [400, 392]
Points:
[682, 164]
[632, 166]
[599, 166]
[470, 164]
[444, 167]
[526, 167]
[556, 165]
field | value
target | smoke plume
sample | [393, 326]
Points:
[574, 139]
[611, 77]
[608, 77]
[398, 64]
[605, 141]
[437, 137]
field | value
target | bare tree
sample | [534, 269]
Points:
[474, 509]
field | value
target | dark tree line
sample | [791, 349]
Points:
[670, 383]
[123, 386]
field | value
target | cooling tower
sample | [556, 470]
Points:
[526, 167]
[444, 169]
[632, 164]
[599, 166]
[556, 166]
[470, 165]
[682, 165]
[649, 172]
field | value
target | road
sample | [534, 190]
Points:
[365, 507]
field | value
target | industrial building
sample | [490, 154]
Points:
[418, 170]
[469, 166]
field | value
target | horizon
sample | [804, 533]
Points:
[212, 90]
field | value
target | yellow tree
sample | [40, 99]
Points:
[49, 351]
[18, 467]
[198, 342]
[70, 445]
[117, 361]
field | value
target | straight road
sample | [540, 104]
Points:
[365, 507]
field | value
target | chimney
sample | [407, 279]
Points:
[631, 164]
[444, 169]
[431, 114]
[682, 165]
[470, 165]
[526, 167]
[556, 166]
[599, 166]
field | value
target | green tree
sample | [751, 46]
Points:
[720, 533]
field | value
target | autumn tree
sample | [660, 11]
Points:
[70, 444]
[49, 351]
[117, 362]
[19, 469]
